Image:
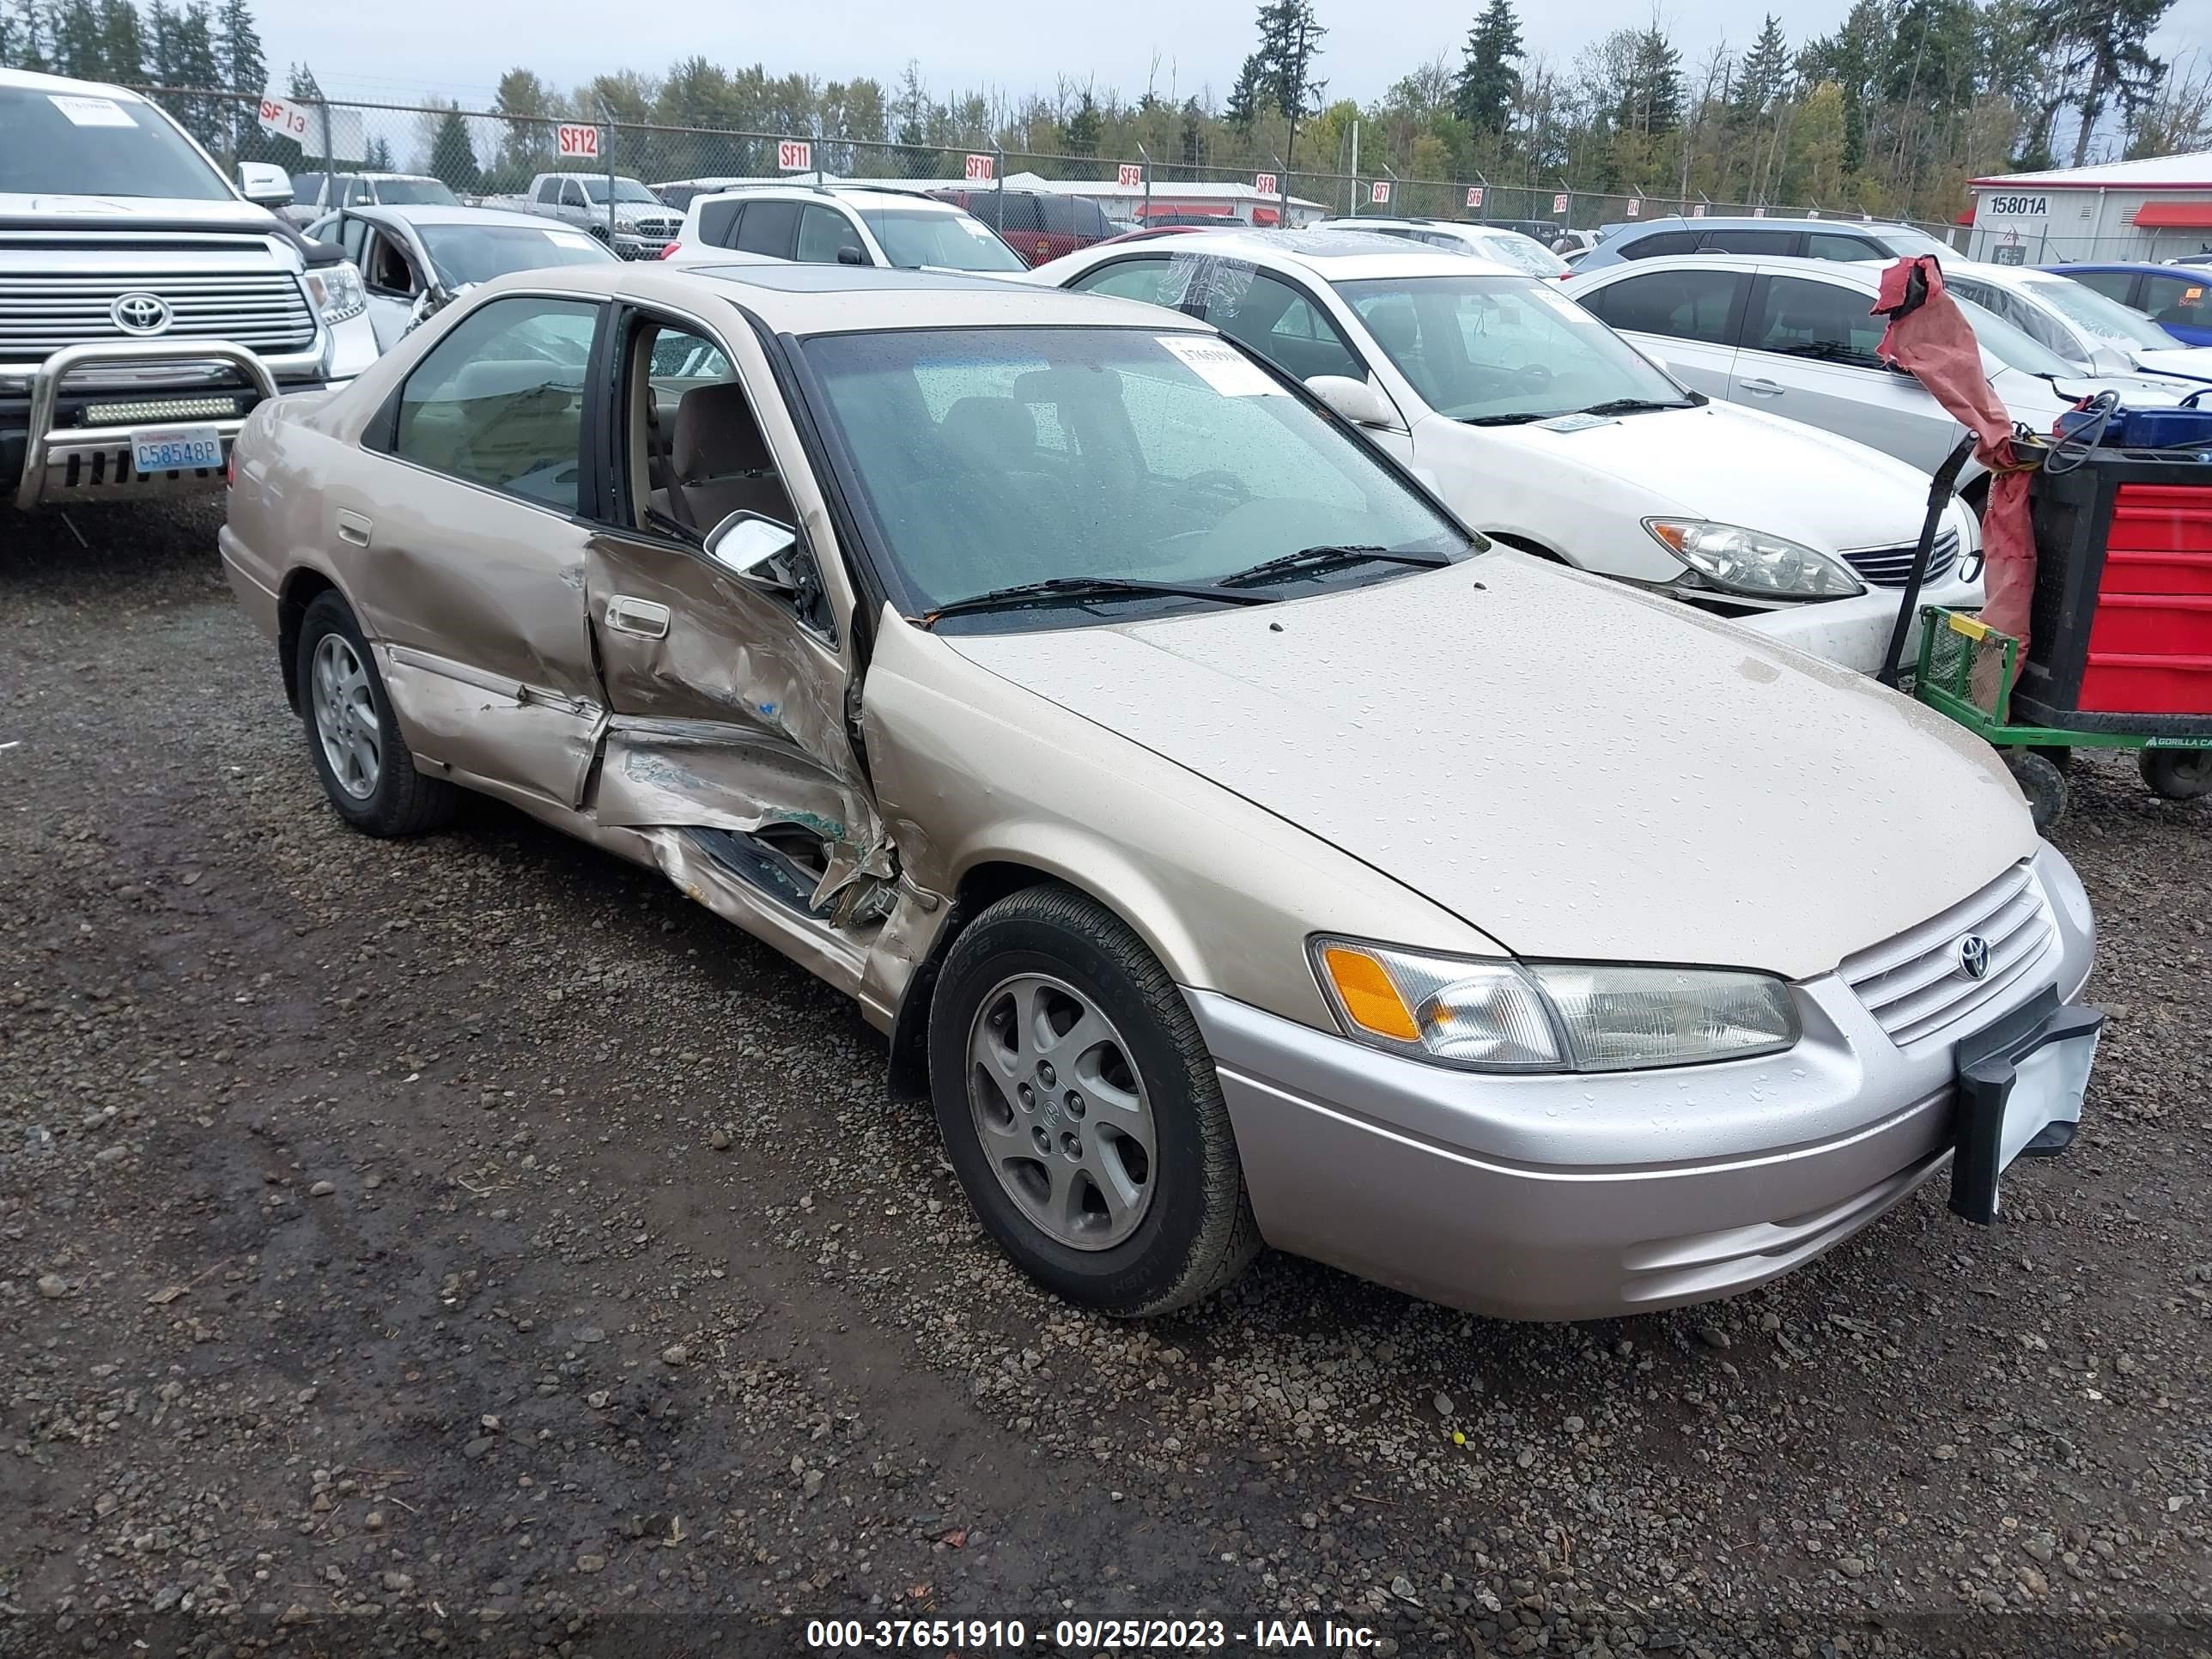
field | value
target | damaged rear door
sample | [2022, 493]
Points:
[726, 743]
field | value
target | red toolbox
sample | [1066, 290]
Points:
[2120, 635]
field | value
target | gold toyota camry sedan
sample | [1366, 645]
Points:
[1234, 846]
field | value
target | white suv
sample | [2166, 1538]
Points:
[839, 225]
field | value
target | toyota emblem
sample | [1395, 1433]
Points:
[140, 313]
[1974, 957]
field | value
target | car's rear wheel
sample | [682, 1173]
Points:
[357, 745]
[1080, 1109]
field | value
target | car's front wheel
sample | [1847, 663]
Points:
[358, 751]
[1080, 1109]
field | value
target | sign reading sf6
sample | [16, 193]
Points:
[2014, 207]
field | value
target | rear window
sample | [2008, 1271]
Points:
[87, 144]
[1660, 246]
[718, 223]
[415, 192]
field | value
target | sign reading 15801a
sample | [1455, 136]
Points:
[2015, 207]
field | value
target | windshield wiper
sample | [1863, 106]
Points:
[1073, 589]
[1308, 558]
[1635, 405]
[1507, 420]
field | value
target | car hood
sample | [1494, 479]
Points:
[1577, 769]
[1739, 467]
[2193, 361]
[216, 215]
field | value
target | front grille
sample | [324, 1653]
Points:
[1892, 567]
[1914, 986]
[664, 228]
[262, 311]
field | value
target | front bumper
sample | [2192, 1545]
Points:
[60, 463]
[1854, 633]
[1588, 1196]
[629, 244]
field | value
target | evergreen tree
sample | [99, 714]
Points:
[1488, 83]
[244, 70]
[527, 143]
[1651, 102]
[379, 156]
[1084, 127]
[122, 44]
[1290, 41]
[78, 48]
[452, 157]
[25, 36]
[1244, 98]
[1191, 140]
[1762, 76]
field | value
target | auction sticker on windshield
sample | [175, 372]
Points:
[92, 112]
[185, 449]
[1220, 366]
[568, 239]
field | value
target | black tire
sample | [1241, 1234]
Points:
[2061, 758]
[1197, 1232]
[402, 801]
[2043, 785]
[2177, 774]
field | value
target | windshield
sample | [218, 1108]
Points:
[1909, 244]
[992, 458]
[2012, 346]
[417, 192]
[2100, 314]
[626, 189]
[914, 236]
[1520, 254]
[55, 143]
[1479, 347]
[477, 253]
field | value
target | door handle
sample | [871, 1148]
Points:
[642, 618]
[353, 528]
[1763, 388]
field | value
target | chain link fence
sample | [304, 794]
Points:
[484, 155]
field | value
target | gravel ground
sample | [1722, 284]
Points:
[381, 1269]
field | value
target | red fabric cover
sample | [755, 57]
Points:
[1937, 342]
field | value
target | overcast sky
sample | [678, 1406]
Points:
[399, 50]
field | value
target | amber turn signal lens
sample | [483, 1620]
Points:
[1369, 999]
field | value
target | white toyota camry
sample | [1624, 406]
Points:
[1547, 430]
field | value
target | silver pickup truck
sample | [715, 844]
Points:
[642, 225]
[146, 305]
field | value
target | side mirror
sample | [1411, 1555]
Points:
[851, 256]
[264, 184]
[1655, 359]
[1356, 400]
[746, 544]
[2107, 359]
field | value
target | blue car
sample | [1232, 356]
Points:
[2178, 298]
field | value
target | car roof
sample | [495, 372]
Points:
[2122, 265]
[1737, 222]
[1865, 273]
[33, 81]
[880, 195]
[824, 298]
[1345, 255]
[440, 213]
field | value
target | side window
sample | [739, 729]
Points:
[352, 234]
[500, 401]
[358, 194]
[770, 227]
[1280, 324]
[1023, 211]
[386, 271]
[308, 188]
[549, 190]
[1659, 246]
[1802, 318]
[718, 223]
[1833, 245]
[2112, 284]
[2177, 299]
[1751, 241]
[1128, 279]
[822, 232]
[1684, 305]
[328, 232]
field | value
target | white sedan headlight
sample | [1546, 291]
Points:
[337, 291]
[1752, 563]
[1498, 1016]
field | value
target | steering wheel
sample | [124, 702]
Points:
[1537, 375]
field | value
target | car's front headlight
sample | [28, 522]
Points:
[1499, 1016]
[337, 291]
[1752, 562]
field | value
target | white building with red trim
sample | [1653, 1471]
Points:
[2149, 209]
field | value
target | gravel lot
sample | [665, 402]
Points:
[381, 1268]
